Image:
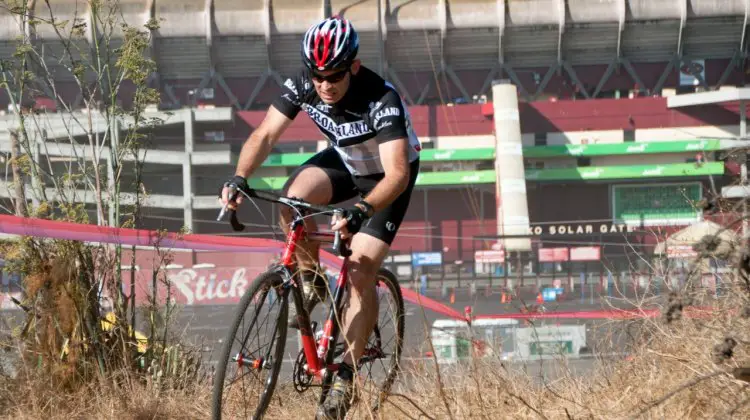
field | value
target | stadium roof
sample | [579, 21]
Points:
[202, 40]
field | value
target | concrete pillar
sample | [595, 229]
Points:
[187, 170]
[114, 142]
[510, 182]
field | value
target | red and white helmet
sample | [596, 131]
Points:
[330, 44]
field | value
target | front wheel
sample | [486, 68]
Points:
[252, 354]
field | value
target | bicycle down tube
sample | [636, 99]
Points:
[315, 353]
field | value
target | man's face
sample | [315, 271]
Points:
[332, 85]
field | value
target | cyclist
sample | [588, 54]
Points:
[373, 154]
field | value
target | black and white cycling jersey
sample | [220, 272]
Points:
[371, 113]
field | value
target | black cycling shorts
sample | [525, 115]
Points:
[383, 224]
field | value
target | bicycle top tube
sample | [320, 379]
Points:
[291, 202]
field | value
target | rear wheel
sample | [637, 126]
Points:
[379, 366]
[251, 358]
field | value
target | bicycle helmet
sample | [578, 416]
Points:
[332, 43]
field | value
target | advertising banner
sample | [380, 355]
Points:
[553, 254]
[426, 258]
[585, 253]
[490, 257]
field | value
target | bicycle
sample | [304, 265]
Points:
[315, 363]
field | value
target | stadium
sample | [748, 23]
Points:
[582, 191]
[628, 112]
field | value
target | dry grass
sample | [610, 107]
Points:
[36, 399]
[677, 369]
[681, 369]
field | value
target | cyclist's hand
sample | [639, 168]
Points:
[226, 191]
[351, 223]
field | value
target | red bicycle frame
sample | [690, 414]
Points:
[316, 365]
[315, 354]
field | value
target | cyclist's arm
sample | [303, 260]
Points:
[394, 156]
[258, 146]
[389, 121]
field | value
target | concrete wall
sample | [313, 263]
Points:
[588, 137]
[464, 142]
[687, 133]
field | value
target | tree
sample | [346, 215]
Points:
[70, 159]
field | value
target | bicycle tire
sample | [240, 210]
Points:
[269, 279]
[391, 282]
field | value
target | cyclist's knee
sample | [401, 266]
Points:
[309, 183]
[363, 271]
[362, 274]
[368, 253]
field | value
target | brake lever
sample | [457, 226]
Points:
[337, 235]
[338, 246]
[222, 212]
[232, 196]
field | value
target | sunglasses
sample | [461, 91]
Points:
[331, 78]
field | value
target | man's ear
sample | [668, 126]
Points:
[356, 64]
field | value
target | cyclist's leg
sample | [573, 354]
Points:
[311, 184]
[361, 305]
[369, 248]
[323, 179]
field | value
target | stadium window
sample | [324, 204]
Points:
[485, 165]
[583, 161]
[629, 135]
[540, 139]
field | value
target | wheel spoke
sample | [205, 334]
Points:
[253, 351]
[378, 366]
